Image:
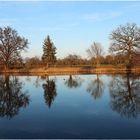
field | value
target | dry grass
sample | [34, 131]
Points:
[74, 70]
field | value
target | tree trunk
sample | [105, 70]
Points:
[129, 87]
[98, 61]
[129, 64]
[47, 66]
[5, 67]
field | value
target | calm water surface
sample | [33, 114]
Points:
[74, 106]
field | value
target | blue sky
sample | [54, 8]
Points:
[72, 25]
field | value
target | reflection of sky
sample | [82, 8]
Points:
[73, 26]
[74, 113]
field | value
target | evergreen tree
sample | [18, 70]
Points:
[49, 52]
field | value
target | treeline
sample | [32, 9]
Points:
[77, 61]
[124, 50]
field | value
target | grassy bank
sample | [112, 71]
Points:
[74, 70]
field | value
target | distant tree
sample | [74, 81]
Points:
[120, 59]
[32, 62]
[49, 52]
[72, 59]
[126, 40]
[109, 59]
[11, 45]
[136, 60]
[95, 51]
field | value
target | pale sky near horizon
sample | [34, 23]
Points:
[72, 25]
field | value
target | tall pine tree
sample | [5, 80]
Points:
[49, 52]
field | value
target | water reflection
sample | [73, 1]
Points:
[12, 98]
[49, 91]
[125, 95]
[95, 87]
[37, 82]
[73, 81]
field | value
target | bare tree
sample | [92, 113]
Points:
[126, 40]
[72, 59]
[11, 45]
[95, 51]
[33, 62]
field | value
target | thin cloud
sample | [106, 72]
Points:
[54, 29]
[132, 5]
[101, 16]
[65, 27]
[7, 21]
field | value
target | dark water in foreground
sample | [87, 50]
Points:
[78, 106]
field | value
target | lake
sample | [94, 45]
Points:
[70, 106]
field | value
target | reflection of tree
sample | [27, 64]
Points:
[49, 91]
[37, 82]
[28, 79]
[95, 88]
[125, 96]
[11, 96]
[73, 82]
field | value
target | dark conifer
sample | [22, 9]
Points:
[49, 52]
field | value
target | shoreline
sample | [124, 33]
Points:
[71, 70]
